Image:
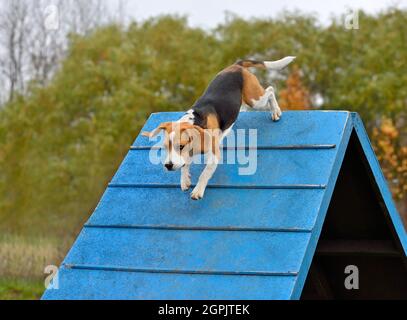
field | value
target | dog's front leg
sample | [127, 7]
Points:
[206, 174]
[185, 177]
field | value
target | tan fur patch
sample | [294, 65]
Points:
[212, 122]
[249, 64]
[252, 89]
[233, 68]
[215, 145]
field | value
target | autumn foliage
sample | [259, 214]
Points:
[295, 96]
[392, 154]
[61, 143]
[388, 138]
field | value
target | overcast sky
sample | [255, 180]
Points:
[209, 13]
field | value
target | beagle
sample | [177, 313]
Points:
[212, 116]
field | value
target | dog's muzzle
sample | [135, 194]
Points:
[169, 166]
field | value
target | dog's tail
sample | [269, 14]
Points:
[272, 65]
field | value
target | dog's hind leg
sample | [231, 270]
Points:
[254, 95]
[268, 101]
[274, 107]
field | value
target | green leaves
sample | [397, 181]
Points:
[61, 144]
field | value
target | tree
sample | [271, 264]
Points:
[31, 48]
[61, 142]
[391, 149]
[295, 96]
[13, 33]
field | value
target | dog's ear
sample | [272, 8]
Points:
[200, 138]
[200, 130]
[193, 132]
[163, 126]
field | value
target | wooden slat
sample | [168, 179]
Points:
[276, 167]
[209, 251]
[177, 271]
[217, 186]
[367, 247]
[275, 147]
[99, 284]
[280, 209]
[294, 128]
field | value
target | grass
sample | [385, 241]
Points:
[27, 257]
[21, 289]
[22, 263]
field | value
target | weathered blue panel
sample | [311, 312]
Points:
[190, 250]
[251, 237]
[323, 208]
[100, 284]
[294, 128]
[274, 167]
[220, 208]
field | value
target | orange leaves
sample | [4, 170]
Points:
[295, 96]
[392, 154]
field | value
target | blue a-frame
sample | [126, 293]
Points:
[317, 203]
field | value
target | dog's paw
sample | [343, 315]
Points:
[185, 182]
[197, 193]
[276, 114]
[185, 185]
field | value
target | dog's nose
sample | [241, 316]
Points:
[169, 166]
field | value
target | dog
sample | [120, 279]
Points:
[201, 129]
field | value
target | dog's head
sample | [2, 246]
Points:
[182, 140]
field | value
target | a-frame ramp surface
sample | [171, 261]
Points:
[251, 237]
